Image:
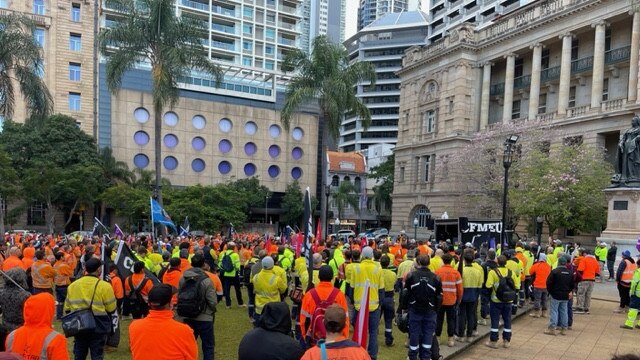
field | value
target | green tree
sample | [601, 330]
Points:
[254, 194]
[383, 174]
[345, 195]
[130, 202]
[293, 204]
[8, 184]
[113, 172]
[172, 45]
[20, 64]
[326, 77]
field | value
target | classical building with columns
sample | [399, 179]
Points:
[571, 62]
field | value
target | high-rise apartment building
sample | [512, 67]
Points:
[322, 17]
[383, 44]
[371, 10]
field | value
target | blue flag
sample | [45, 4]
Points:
[159, 216]
[184, 229]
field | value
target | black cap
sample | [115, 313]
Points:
[160, 295]
[92, 265]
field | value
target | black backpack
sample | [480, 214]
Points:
[137, 306]
[246, 274]
[506, 291]
[191, 301]
[227, 264]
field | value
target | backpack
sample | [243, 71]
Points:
[317, 330]
[506, 291]
[246, 272]
[137, 306]
[227, 264]
[190, 299]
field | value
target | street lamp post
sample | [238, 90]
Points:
[415, 228]
[266, 199]
[327, 192]
[539, 221]
[337, 227]
[507, 159]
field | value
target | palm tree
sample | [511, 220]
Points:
[20, 64]
[345, 195]
[325, 76]
[152, 33]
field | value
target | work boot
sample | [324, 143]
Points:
[618, 310]
[563, 331]
[482, 322]
[451, 342]
[506, 344]
[535, 313]
[626, 327]
[543, 313]
[550, 331]
[492, 344]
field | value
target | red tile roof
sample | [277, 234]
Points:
[351, 162]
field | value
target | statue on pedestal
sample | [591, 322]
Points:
[628, 157]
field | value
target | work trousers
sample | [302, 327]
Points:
[89, 343]
[388, 312]
[583, 301]
[227, 282]
[466, 318]
[500, 310]
[204, 330]
[450, 312]
[539, 299]
[421, 329]
[374, 321]
[623, 291]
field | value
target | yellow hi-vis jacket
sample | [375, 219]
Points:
[363, 271]
[267, 285]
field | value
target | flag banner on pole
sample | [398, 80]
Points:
[232, 230]
[184, 229]
[95, 231]
[318, 231]
[308, 228]
[361, 327]
[160, 216]
[125, 259]
[96, 225]
[118, 232]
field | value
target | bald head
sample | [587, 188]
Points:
[317, 260]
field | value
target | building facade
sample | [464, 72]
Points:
[571, 62]
[371, 10]
[348, 167]
[322, 17]
[383, 44]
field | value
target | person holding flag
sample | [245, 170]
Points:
[367, 281]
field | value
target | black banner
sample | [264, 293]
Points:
[477, 232]
[125, 259]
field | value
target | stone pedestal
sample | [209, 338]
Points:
[623, 218]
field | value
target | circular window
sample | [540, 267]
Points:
[224, 146]
[250, 128]
[141, 115]
[170, 163]
[297, 134]
[274, 131]
[297, 153]
[274, 171]
[170, 141]
[141, 161]
[198, 165]
[224, 167]
[198, 122]
[171, 118]
[296, 173]
[198, 143]
[274, 151]
[249, 169]
[250, 148]
[225, 125]
[141, 138]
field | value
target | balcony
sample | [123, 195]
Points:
[614, 56]
[577, 111]
[288, 26]
[223, 11]
[40, 20]
[496, 89]
[225, 29]
[195, 5]
[581, 65]
[289, 10]
[223, 45]
[551, 73]
[285, 41]
[522, 82]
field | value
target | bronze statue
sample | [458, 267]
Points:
[628, 157]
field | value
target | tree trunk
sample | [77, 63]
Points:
[51, 216]
[73, 209]
[324, 206]
[157, 122]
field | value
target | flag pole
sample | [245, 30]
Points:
[153, 226]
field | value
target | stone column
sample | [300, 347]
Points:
[597, 76]
[484, 100]
[534, 90]
[508, 87]
[633, 61]
[565, 74]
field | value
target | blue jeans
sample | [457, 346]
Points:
[388, 313]
[374, 321]
[540, 299]
[422, 326]
[203, 329]
[497, 311]
[61, 295]
[570, 312]
[558, 313]
[227, 282]
[85, 343]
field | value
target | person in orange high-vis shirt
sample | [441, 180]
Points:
[540, 271]
[451, 296]
[13, 260]
[588, 269]
[27, 256]
[36, 339]
[172, 277]
[136, 280]
[117, 286]
[177, 342]
[42, 274]
[337, 346]
[324, 289]
[62, 281]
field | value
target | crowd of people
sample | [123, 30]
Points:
[303, 301]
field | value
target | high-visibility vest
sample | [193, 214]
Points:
[45, 344]
[629, 269]
[40, 281]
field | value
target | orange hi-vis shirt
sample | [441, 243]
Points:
[215, 280]
[184, 265]
[27, 257]
[116, 285]
[451, 284]
[136, 279]
[523, 260]
[541, 271]
[63, 273]
[425, 249]
[172, 277]
[589, 267]
[342, 348]
[13, 262]
[42, 274]
[324, 289]
[176, 343]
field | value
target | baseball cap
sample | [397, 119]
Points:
[335, 314]
[626, 253]
[367, 252]
[562, 260]
[92, 265]
[267, 262]
[160, 295]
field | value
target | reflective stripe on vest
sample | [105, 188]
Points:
[629, 269]
[45, 344]
[39, 281]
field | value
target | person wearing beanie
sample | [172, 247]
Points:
[323, 292]
[560, 286]
[540, 272]
[267, 286]
[624, 276]
[368, 271]
[270, 339]
[178, 341]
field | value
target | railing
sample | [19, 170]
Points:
[577, 111]
[195, 5]
[522, 81]
[110, 23]
[581, 65]
[114, 6]
[223, 45]
[286, 25]
[454, 3]
[285, 41]
[224, 28]
[617, 55]
[455, 18]
[496, 89]
[546, 116]
[223, 11]
[550, 73]
[288, 9]
[438, 12]
[614, 104]
[439, 26]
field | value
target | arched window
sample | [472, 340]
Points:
[357, 184]
[423, 215]
[346, 178]
[335, 181]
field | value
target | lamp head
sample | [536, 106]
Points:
[415, 221]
